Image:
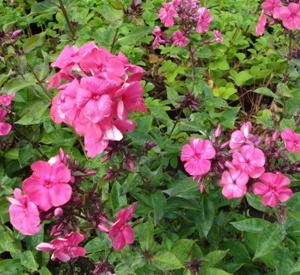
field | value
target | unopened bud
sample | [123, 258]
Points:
[275, 135]
[58, 212]
[16, 33]
[218, 131]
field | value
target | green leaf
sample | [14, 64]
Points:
[144, 233]
[166, 261]
[268, 240]
[251, 225]
[159, 113]
[158, 201]
[4, 204]
[205, 216]
[44, 271]
[213, 271]
[283, 261]
[61, 137]
[182, 249]
[135, 36]
[267, 92]
[16, 84]
[295, 268]
[241, 77]
[116, 199]
[95, 245]
[33, 42]
[28, 261]
[10, 267]
[214, 257]
[255, 202]
[43, 7]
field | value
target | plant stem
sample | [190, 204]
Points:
[62, 7]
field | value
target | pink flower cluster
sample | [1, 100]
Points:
[187, 15]
[276, 12]
[244, 167]
[98, 91]
[48, 187]
[5, 105]
[119, 231]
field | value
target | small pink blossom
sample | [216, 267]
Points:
[120, 231]
[273, 188]
[48, 185]
[249, 159]
[234, 183]
[197, 156]
[167, 14]
[218, 36]
[179, 39]
[24, 214]
[291, 140]
[65, 248]
[290, 16]
[271, 8]
[260, 27]
[16, 33]
[203, 18]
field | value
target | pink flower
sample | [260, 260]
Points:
[24, 214]
[272, 188]
[65, 248]
[291, 140]
[203, 18]
[5, 101]
[167, 13]
[197, 155]
[249, 159]
[120, 231]
[290, 16]
[218, 36]
[260, 28]
[16, 33]
[243, 136]
[271, 8]
[48, 185]
[234, 183]
[179, 39]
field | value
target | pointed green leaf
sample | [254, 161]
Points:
[214, 257]
[251, 225]
[144, 233]
[33, 42]
[213, 271]
[28, 261]
[166, 261]
[182, 249]
[158, 201]
[138, 33]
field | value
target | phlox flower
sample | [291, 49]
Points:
[249, 159]
[167, 14]
[203, 18]
[218, 36]
[260, 27]
[234, 183]
[241, 137]
[48, 185]
[291, 140]
[24, 214]
[290, 16]
[179, 39]
[273, 188]
[65, 248]
[4, 127]
[120, 231]
[197, 156]
[271, 8]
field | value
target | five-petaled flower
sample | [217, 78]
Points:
[65, 248]
[291, 140]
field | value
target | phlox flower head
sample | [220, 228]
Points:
[197, 155]
[291, 140]
[24, 214]
[203, 18]
[290, 16]
[249, 159]
[179, 39]
[48, 186]
[120, 231]
[271, 8]
[273, 188]
[234, 183]
[167, 14]
[243, 136]
[64, 249]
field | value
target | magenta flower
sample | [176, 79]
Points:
[290, 16]
[167, 14]
[179, 39]
[203, 18]
[249, 159]
[273, 188]
[24, 214]
[218, 36]
[120, 231]
[197, 155]
[48, 185]
[65, 248]
[271, 8]
[5, 101]
[234, 183]
[291, 140]
[260, 27]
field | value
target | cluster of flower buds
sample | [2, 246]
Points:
[97, 90]
[250, 164]
[5, 108]
[286, 13]
[187, 15]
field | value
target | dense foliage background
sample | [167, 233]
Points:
[188, 92]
